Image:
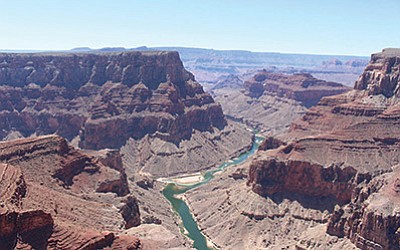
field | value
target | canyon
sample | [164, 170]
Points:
[86, 137]
[330, 182]
[212, 65]
[271, 101]
[126, 100]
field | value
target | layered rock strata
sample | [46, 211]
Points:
[47, 198]
[331, 182]
[135, 100]
[303, 88]
[272, 101]
[103, 96]
[371, 220]
[313, 180]
[346, 148]
[53, 196]
[235, 217]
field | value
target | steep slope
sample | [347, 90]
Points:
[133, 93]
[331, 182]
[349, 142]
[56, 197]
[271, 101]
[41, 185]
[104, 100]
[234, 217]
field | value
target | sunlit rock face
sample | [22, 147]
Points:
[53, 196]
[345, 149]
[103, 99]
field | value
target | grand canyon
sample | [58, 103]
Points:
[125, 149]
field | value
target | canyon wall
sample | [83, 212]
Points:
[303, 88]
[103, 99]
[271, 101]
[53, 196]
[143, 102]
[345, 148]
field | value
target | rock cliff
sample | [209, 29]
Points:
[102, 96]
[371, 219]
[272, 101]
[303, 88]
[346, 147]
[50, 198]
[273, 177]
[382, 74]
[117, 100]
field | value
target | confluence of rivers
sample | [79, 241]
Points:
[171, 190]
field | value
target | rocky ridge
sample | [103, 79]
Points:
[271, 101]
[44, 183]
[303, 88]
[346, 148]
[54, 196]
[131, 93]
[113, 100]
[331, 182]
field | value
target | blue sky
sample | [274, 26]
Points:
[348, 27]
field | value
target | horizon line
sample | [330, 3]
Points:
[171, 47]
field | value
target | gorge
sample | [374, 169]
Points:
[89, 141]
[330, 182]
[127, 118]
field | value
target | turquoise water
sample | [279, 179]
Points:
[190, 227]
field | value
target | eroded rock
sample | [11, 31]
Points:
[103, 98]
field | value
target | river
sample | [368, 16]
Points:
[189, 226]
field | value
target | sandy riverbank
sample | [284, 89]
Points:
[185, 180]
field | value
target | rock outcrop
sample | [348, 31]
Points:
[272, 101]
[50, 198]
[303, 88]
[71, 167]
[270, 143]
[382, 75]
[346, 147]
[235, 217]
[113, 100]
[312, 180]
[371, 219]
[80, 95]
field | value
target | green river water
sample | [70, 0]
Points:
[190, 227]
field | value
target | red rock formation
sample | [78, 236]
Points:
[371, 219]
[382, 75]
[72, 167]
[130, 212]
[44, 204]
[103, 96]
[346, 147]
[271, 143]
[300, 87]
[30, 226]
[271, 177]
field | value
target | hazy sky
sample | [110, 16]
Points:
[354, 27]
